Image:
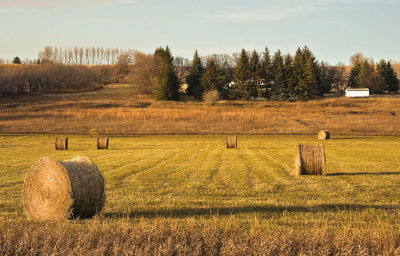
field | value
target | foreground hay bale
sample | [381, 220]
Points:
[102, 143]
[61, 143]
[94, 133]
[324, 135]
[231, 142]
[310, 160]
[60, 190]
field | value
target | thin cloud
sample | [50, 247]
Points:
[42, 4]
[271, 14]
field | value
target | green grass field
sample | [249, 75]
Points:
[191, 181]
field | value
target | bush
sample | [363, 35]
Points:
[49, 77]
[211, 97]
[375, 82]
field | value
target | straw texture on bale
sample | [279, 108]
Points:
[102, 143]
[231, 142]
[56, 190]
[324, 135]
[93, 133]
[61, 143]
[310, 160]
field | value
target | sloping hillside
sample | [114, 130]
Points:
[120, 109]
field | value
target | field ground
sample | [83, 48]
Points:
[118, 109]
[189, 195]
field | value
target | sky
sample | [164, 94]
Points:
[333, 29]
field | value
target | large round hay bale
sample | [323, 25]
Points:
[231, 142]
[61, 143]
[310, 160]
[56, 190]
[324, 135]
[93, 133]
[102, 142]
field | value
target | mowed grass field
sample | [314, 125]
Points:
[174, 195]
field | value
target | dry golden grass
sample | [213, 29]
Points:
[189, 195]
[118, 109]
[190, 238]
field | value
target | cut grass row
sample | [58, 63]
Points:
[168, 188]
[170, 173]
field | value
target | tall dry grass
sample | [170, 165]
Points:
[122, 111]
[172, 238]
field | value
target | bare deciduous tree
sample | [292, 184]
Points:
[47, 55]
[339, 75]
[121, 66]
[144, 71]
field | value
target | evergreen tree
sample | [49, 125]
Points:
[324, 79]
[214, 77]
[164, 54]
[306, 74]
[360, 72]
[311, 75]
[240, 77]
[17, 60]
[267, 74]
[290, 81]
[255, 81]
[278, 90]
[353, 81]
[195, 88]
[167, 87]
[299, 74]
[389, 75]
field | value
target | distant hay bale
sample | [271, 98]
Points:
[61, 143]
[324, 135]
[231, 142]
[93, 133]
[60, 190]
[310, 160]
[102, 142]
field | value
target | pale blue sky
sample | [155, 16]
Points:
[333, 29]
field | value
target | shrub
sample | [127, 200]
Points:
[211, 97]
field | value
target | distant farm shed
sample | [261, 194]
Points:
[357, 93]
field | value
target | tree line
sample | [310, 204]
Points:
[74, 56]
[245, 75]
[49, 77]
[248, 76]
[253, 75]
[81, 56]
[379, 77]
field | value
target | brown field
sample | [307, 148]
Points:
[118, 109]
[163, 198]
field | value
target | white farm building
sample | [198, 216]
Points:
[357, 92]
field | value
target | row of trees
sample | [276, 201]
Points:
[245, 75]
[81, 56]
[379, 78]
[279, 77]
[49, 77]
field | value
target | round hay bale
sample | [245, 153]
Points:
[56, 190]
[93, 133]
[324, 135]
[310, 160]
[61, 143]
[231, 142]
[102, 142]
